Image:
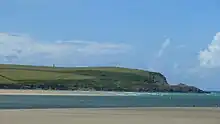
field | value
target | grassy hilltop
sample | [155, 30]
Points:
[86, 78]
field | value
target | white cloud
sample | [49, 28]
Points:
[24, 49]
[165, 44]
[156, 64]
[210, 57]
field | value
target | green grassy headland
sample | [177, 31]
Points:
[86, 78]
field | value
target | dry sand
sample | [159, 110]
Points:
[56, 92]
[63, 92]
[112, 116]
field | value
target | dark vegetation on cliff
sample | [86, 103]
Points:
[87, 78]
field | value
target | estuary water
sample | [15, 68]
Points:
[116, 100]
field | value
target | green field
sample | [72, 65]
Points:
[26, 73]
[83, 77]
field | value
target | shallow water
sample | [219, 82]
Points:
[120, 100]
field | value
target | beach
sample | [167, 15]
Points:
[112, 116]
[56, 92]
[66, 92]
[50, 109]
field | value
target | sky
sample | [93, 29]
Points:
[180, 39]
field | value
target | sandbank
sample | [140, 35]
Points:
[55, 92]
[112, 116]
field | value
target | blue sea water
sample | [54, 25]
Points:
[120, 100]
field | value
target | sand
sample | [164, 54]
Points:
[112, 116]
[57, 92]
[64, 92]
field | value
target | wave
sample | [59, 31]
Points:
[102, 93]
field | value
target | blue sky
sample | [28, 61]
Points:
[178, 38]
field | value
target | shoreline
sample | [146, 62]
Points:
[126, 109]
[82, 93]
[53, 92]
[67, 92]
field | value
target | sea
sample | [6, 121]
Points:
[118, 100]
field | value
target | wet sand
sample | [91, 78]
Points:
[112, 116]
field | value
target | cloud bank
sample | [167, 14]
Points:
[210, 57]
[23, 49]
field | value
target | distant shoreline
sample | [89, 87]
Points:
[74, 93]
[53, 92]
